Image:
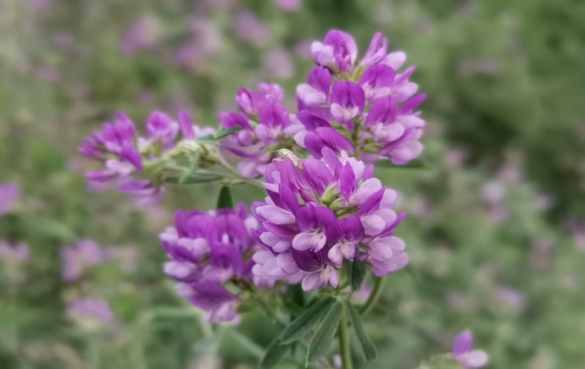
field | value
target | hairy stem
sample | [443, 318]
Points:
[344, 342]
[374, 296]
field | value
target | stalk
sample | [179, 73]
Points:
[344, 342]
[374, 296]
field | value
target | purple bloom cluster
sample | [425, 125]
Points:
[366, 108]
[265, 123]
[319, 213]
[464, 353]
[14, 252]
[207, 251]
[124, 153]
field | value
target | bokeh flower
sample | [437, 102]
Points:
[9, 193]
[464, 353]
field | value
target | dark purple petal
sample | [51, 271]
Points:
[412, 103]
[373, 202]
[378, 76]
[131, 155]
[311, 121]
[274, 115]
[348, 229]
[347, 181]
[231, 120]
[320, 79]
[312, 217]
[376, 51]
[383, 110]
[322, 138]
[186, 125]
[463, 343]
[306, 260]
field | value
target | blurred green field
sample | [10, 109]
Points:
[496, 226]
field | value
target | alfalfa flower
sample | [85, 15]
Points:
[318, 214]
[369, 103]
[9, 193]
[210, 255]
[90, 314]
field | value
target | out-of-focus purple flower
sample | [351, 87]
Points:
[142, 34]
[78, 258]
[9, 193]
[464, 353]
[378, 111]
[288, 5]
[206, 251]
[248, 27]
[493, 192]
[319, 213]
[511, 297]
[303, 49]
[265, 126]
[90, 313]
[279, 64]
[126, 256]
[18, 251]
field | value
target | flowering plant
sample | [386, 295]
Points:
[326, 219]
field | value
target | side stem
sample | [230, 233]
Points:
[344, 342]
[374, 296]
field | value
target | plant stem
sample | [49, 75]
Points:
[344, 342]
[376, 292]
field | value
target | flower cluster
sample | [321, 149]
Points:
[319, 213]
[266, 126]
[90, 313]
[124, 153]
[210, 252]
[365, 108]
[9, 193]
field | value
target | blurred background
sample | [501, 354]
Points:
[496, 226]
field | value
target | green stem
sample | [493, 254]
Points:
[344, 342]
[374, 296]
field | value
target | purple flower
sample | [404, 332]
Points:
[208, 250]
[18, 251]
[248, 27]
[90, 313]
[279, 64]
[265, 124]
[142, 34]
[78, 258]
[124, 153]
[319, 213]
[464, 353]
[378, 112]
[9, 193]
[288, 5]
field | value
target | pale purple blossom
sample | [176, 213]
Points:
[90, 312]
[18, 251]
[288, 5]
[78, 258]
[9, 193]
[319, 213]
[142, 34]
[279, 64]
[464, 353]
[248, 27]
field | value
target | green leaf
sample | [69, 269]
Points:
[273, 354]
[367, 346]
[225, 198]
[222, 132]
[301, 325]
[356, 272]
[324, 335]
[206, 139]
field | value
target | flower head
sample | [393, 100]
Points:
[369, 102]
[319, 213]
[90, 313]
[125, 154]
[265, 124]
[464, 353]
[207, 251]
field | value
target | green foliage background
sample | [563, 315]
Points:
[526, 117]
